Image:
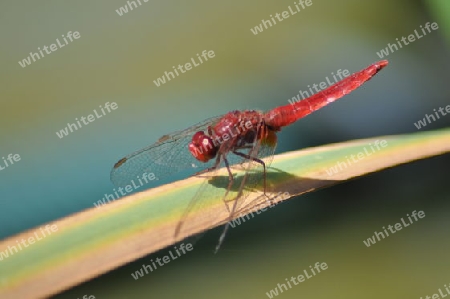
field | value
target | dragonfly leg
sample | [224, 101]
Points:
[233, 210]
[256, 160]
[214, 167]
[230, 183]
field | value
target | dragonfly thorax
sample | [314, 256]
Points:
[235, 130]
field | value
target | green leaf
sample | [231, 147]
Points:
[97, 240]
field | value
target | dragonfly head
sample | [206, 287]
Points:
[202, 147]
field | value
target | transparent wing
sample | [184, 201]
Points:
[167, 156]
[252, 178]
[254, 170]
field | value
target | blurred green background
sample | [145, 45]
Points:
[118, 57]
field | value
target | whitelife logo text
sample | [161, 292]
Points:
[50, 49]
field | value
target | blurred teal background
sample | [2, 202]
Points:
[117, 58]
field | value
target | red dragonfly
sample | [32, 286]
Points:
[249, 135]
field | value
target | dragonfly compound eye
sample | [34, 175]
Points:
[202, 147]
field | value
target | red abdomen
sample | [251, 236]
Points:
[286, 115]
